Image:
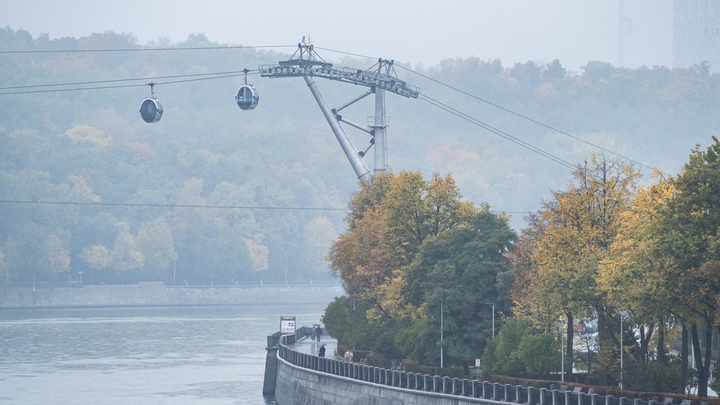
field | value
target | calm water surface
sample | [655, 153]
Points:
[186, 355]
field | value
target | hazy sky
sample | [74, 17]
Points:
[415, 31]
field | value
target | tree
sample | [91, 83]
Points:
[57, 257]
[416, 209]
[258, 254]
[691, 233]
[155, 242]
[541, 310]
[596, 70]
[465, 268]
[359, 257]
[516, 351]
[318, 235]
[345, 320]
[578, 226]
[388, 223]
[554, 72]
[126, 255]
[636, 276]
[97, 257]
[84, 133]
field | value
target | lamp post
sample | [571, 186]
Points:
[621, 350]
[493, 317]
[562, 349]
[441, 334]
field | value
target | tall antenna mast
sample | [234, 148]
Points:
[306, 63]
[621, 34]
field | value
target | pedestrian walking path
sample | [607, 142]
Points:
[307, 346]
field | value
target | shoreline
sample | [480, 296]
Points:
[159, 295]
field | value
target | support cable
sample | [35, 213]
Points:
[123, 80]
[192, 206]
[173, 205]
[346, 53]
[121, 86]
[527, 118]
[494, 130]
[196, 48]
[499, 107]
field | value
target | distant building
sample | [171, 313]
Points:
[696, 33]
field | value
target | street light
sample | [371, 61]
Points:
[493, 317]
[562, 348]
[622, 349]
[441, 333]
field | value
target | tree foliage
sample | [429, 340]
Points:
[86, 148]
[97, 257]
[567, 241]
[412, 244]
[690, 233]
[515, 351]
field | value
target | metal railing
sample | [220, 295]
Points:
[517, 394]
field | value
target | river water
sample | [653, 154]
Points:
[161, 355]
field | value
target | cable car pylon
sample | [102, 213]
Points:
[306, 63]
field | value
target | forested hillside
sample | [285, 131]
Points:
[92, 147]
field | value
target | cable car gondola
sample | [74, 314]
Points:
[247, 96]
[151, 110]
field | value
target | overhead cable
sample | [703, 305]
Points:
[248, 207]
[124, 80]
[501, 108]
[445, 107]
[345, 53]
[494, 130]
[121, 86]
[195, 48]
[193, 206]
[526, 117]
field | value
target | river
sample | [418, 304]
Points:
[151, 355]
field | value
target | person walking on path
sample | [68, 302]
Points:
[313, 334]
[321, 353]
[319, 333]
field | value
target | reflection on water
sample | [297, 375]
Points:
[184, 355]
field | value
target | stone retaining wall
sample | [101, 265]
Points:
[308, 379]
[296, 386]
[157, 294]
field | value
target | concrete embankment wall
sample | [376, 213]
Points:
[296, 385]
[303, 378]
[157, 294]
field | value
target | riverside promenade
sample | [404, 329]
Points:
[307, 346]
[297, 377]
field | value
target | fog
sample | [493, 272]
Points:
[418, 32]
[207, 152]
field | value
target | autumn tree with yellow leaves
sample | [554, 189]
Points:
[601, 248]
[561, 251]
[690, 234]
[410, 243]
[636, 277]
